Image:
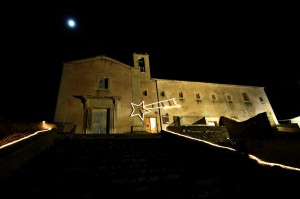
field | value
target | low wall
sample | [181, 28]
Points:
[214, 134]
[15, 155]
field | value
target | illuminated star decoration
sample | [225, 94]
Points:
[142, 109]
[139, 110]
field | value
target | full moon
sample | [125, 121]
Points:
[71, 23]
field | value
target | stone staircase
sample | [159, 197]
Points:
[144, 166]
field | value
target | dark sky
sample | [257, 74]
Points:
[256, 45]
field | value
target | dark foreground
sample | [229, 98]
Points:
[146, 166]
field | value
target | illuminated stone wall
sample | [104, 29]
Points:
[78, 92]
[80, 97]
[212, 100]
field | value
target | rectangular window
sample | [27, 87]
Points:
[103, 83]
[142, 64]
[181, 95]
[145, 93]
[228, 98]
[163, 94]
[246, 97]
[214, 97]
[198, 98]
[165, 119]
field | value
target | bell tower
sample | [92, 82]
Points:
[140, 76]
[142, 64]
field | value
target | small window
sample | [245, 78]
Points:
[163, 94]
[228, 98]
[214, 97]
[198, 98]
[165, 119]
[103, 83]
[246, 97]
[181, 95]
[142, 64]
[261, 99]
[145, 93]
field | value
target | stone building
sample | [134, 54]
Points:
[101, 95]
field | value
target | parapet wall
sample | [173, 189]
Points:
[214, 134]
[15, 155]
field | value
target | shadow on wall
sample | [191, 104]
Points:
[260, 126]
[257, 136]
[229, 132]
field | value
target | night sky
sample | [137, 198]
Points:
[254, 45]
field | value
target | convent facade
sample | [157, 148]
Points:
[101, 95]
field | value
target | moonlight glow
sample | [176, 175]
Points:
[71, 23]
